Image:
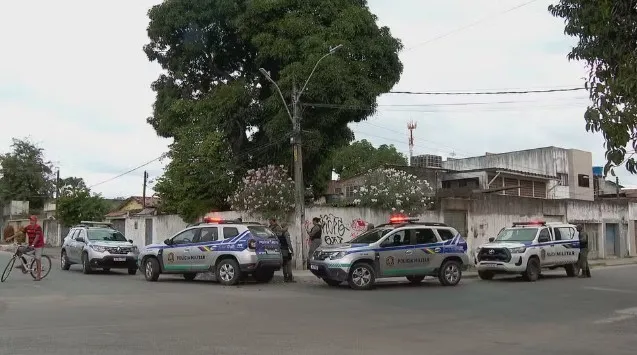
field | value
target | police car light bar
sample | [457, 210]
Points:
[219, 220]
[530, 223]
[401, 219]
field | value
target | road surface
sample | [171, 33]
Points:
[70, 313]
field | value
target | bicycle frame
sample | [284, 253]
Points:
[32, 269]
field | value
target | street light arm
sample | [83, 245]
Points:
[314, 69]
[267, 76]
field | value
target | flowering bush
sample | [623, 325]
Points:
[267, 192]
[391, 189]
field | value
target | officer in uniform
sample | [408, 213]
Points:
[583, 253]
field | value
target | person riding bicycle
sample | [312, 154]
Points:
[36, 243]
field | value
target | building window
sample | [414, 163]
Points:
[349, 191]
[539, 189]
[338, 191]
[583, 180]
[563, 179]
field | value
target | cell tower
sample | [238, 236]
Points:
[411, 126]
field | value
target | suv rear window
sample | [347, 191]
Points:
[106, 235]
[261, 232]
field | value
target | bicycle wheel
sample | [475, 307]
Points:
[46, 267]
[7, 269]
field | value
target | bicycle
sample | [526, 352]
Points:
[46, 264]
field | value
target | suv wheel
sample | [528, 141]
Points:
[450, 273]
[86, 266]
[151, 269]
[532, 272]
[64, 261]
[228, 272]
[361, 277]
[263, 276]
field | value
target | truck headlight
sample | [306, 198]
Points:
[519, 250]
[98, 248]
[337, 255]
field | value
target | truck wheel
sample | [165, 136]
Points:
[151, 269]
[228, 272]
[361, 277]
[415, 279]
[333, 283]
[486, 275]
[571, 270]
[450, 273]
[532, 272]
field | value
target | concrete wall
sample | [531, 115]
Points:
[580, 162]
[485, 216]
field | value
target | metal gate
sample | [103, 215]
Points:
[610, 240]
[148, 231]
[457, 220]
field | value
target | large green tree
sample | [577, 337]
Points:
[361, 156]
[607, 32]
[211, 51]
[76, 203]
[25, 174]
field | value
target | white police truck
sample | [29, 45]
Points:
[528, 247]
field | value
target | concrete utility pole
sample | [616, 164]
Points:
[57, 192]
[295, 118]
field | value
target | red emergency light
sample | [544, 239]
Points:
[212, 220]
[399, 218]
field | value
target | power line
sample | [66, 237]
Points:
[459, 29]
[127, 172]
[517, 92]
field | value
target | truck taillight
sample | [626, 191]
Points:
[252, 244]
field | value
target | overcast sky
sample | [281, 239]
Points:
[74, 78]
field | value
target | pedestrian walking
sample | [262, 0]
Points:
[286, 253]
[315, 234]
[583, 252]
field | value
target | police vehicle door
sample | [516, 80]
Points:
[176, 257]
[427, 251]
[78, 246]
[202, 255]
[567, 252]
[394, 253]
[548, 253]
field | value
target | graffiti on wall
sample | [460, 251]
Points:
[337, 230]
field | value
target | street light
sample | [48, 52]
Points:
[299, 205]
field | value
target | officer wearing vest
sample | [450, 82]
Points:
[286, 253]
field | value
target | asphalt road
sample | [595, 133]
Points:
[70, 313]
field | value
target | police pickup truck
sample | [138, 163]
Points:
[402, 248]
[229, 249]
[528, 247]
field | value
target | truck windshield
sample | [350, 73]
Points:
[371, 236]
[105, 235]
[517, 235]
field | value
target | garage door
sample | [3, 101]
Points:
[457, 220]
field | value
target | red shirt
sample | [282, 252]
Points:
[33, 232]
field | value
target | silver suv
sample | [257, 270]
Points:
[98, 245]
[229, 249]
[401, 248]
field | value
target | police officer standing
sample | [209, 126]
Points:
[315, 234]
[583, 253]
